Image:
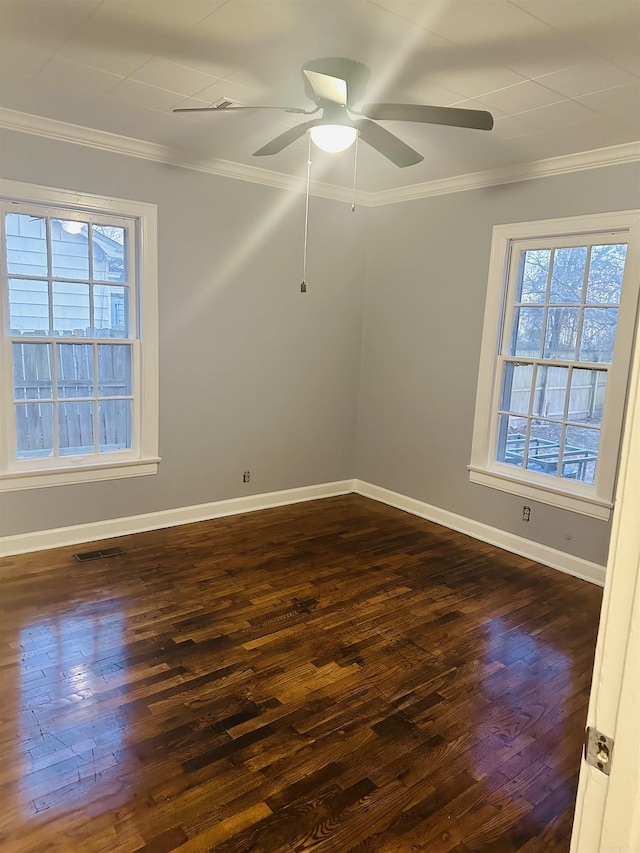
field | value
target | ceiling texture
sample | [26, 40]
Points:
[559, 76]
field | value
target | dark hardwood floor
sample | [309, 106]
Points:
[330, 676]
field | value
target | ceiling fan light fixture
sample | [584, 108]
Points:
[333, 138]
[335, 84]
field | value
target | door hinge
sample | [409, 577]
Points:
[598, 750]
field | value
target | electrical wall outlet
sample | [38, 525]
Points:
[526, 513]
[246, 477]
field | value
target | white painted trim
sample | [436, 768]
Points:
[566, 563]
[40, 540]
[607, 813]
[114, 143]
[539, 492]
[34, 479]
[628, 152]
[140, 220]
[27, 193]
[507, 241]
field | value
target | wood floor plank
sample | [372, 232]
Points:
[336, 676]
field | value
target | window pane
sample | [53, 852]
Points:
[28, 307]
[26, 244]
[32, 372]
[75, 428]
[114, 370]
[580, 454]
[109, 253]
[605, 273]
[114, 417]
[535, 272]
[527, 338]
[551, 391]
[568, 274]
[111, 311]
[69, 249]
[561, 333]
[71, 308]
[598, 334]
[586, 398]
[75, 370]
[516, 387]
[34, 430]
[511, 440]
[544, 447]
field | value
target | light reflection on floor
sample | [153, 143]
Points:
[65, 663]
[519, 661]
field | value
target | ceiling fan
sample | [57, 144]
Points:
[335, 84]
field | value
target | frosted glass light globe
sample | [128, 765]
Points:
[333, 137]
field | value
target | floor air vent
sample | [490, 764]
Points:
[86, 556]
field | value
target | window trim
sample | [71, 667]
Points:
[144, 459]
[595, 500]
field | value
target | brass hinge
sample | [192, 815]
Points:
[598, 750]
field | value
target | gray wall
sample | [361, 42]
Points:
[253, 374]
[427, 264]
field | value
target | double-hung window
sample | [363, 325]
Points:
[78, 377]
[559, 327]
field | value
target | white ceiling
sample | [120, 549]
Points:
[559, 76]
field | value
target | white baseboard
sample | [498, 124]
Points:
[560, 560]
[42, 539]
[23, 543]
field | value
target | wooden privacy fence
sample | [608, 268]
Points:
[585, 401]
[80, 387]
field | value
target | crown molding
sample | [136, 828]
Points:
[104, 141]
[629, 152]
[62, 131]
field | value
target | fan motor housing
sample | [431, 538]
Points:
[354, 73]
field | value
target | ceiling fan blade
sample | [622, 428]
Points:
[228, 109]
[276, 145]
[326, 87]
[477, 119]
[387, 143]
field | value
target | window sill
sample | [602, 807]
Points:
[591, 506]
[42, 478]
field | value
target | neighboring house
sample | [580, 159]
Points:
[70, 259]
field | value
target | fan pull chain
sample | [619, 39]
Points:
[303, 286]
[355, 172]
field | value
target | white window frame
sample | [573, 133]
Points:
[142, 459]
[595, 500]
